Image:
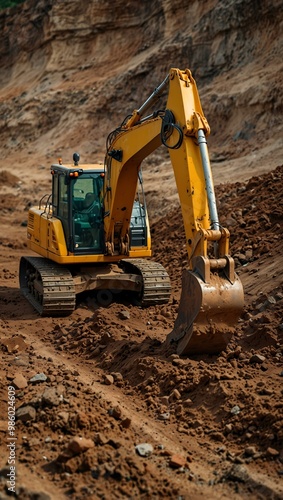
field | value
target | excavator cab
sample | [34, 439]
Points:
[77, 202]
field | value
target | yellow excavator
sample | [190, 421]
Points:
[92, 232]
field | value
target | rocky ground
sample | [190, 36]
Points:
[104, 410]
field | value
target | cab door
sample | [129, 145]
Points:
[61, 206]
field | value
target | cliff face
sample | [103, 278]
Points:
[71, 71]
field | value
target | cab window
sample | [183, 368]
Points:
[87, 210]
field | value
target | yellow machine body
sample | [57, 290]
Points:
[46, 237]
[64, 231]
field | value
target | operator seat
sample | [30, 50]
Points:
[88, 201]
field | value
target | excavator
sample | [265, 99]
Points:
[92, 233]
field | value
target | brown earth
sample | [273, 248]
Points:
[70, 73]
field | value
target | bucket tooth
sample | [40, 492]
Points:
[207, 314]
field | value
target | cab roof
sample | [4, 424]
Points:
[83, 167]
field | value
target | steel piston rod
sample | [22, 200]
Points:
[208, 180]
[209, 185]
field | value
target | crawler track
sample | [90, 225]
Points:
[156, 282]
[48, 286]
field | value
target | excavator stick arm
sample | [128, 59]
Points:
[212, 294]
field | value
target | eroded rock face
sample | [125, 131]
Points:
[215, 35]
[63, 60]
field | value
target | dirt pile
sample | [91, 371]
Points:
[251, 210]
